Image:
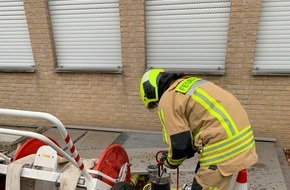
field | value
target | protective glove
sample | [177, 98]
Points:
[167, 164]
[170, 166]
[191, 154]
[165, 161]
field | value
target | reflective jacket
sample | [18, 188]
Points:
[199, 116]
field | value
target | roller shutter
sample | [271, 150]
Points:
[272, 54]
[187, 35]
[86, 35]
[15, 47]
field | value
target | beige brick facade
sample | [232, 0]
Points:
[112, 100]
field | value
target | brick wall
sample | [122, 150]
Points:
[112, 100]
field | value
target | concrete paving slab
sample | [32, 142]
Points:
[8, 143]
[11, 138]
[267, 173]
[75, 134]
[86, 141]
[93, 141]
[285, 167]
[140, 140]
[142, 147]
[264, 175]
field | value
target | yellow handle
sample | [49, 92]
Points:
[147, 186]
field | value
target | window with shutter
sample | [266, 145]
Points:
[187, 35]
[86, 35]
[15, 47]
[272, 53]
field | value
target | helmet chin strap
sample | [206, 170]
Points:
[165, 81]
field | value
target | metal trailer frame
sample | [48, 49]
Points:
[86, 180]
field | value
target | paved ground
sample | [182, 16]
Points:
[10, 142]
[271, 172]
[142, 147]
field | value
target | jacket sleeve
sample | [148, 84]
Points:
[176, 134]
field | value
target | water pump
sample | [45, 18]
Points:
[159, 177]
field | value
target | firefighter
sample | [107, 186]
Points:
[199, 117]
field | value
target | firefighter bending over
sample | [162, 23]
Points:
[198, 116]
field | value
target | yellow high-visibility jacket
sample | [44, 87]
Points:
[198, 115]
